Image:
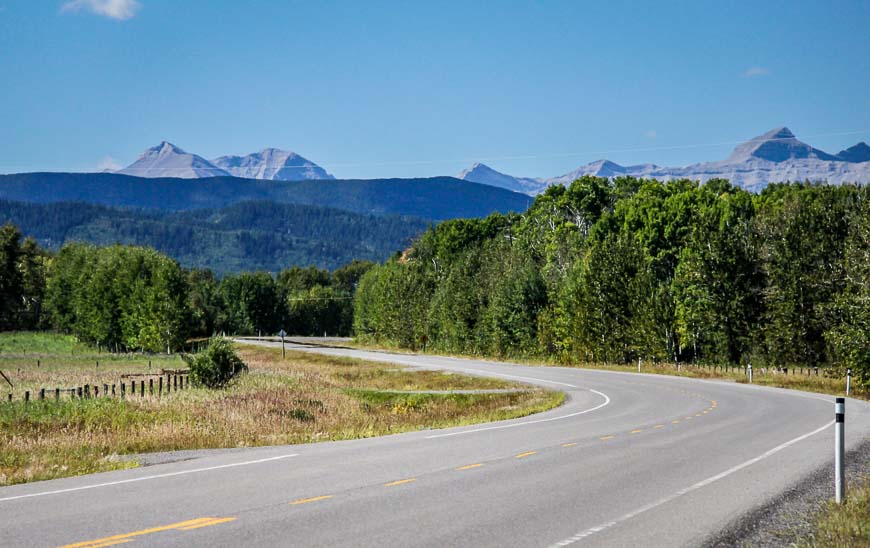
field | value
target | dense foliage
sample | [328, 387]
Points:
[614, 270]
[248, 236]
[216, 364]
[135, 298]
[22, 281]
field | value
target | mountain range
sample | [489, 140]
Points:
[168, 160]
[776, 156]
[247, 236]
[434, 198]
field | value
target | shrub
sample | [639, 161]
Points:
[215, 366]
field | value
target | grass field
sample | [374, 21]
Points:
[304, 398]
[45, 360]
[844, 525]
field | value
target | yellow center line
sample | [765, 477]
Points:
[688, 418]
[215, 521]
[118, 539]
[110, 543]
[469, 467]
[572, 444]
[526, 454]
[605, 438]
[659, 426]
[675, 422]
[636, 431]
[312, 499]
[399, 482]
[697, 414]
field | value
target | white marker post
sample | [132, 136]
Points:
[839, 449]
[749, 368]
[639, 360]
[283, 334]
[848, 380]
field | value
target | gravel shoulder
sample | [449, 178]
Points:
[788, 519]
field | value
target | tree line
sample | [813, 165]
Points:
[616, 270]
[246, 236]
[128, 298]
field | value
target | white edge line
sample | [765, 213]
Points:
[144, 478]
[599, 406]
[703, 483]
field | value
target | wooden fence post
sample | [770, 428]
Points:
[160, 386]
[27, 396]
[123, 390]
[150, 387]
[142, 389]
[57, 394]
[42, 393]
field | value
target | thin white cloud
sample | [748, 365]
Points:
[114, 9]
[650, 134]
[108, 164]
[754, 72]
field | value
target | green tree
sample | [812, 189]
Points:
[11, 282]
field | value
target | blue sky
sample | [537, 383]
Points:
[399, 89]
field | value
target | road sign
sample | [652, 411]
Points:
[282, 334]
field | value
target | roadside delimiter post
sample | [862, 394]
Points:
[839, 449]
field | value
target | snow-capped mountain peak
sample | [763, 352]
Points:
[856, 153]
[272, 164]
[775, 156]
[483, 174]
[777, 145]
[168, 160]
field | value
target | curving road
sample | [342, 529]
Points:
[629, 460]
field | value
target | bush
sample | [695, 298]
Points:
[215, 366]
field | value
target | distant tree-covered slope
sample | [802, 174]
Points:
[434, 198]
[246, 236]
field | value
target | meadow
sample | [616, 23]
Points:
[301, 399]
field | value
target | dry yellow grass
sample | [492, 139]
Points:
[302, 399]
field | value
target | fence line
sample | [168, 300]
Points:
[175, 380]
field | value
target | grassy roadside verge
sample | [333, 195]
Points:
[844, 525]
[304, 398]
[808, 383]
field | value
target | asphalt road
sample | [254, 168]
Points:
[629, 460]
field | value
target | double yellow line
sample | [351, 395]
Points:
[128, 537]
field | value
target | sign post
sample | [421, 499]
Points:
[283, 334]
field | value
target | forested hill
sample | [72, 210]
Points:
[247, 236]
[433, 198]
[616, 270]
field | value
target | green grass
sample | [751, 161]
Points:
[27, 343]
[844, 524]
